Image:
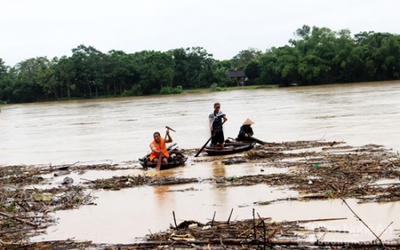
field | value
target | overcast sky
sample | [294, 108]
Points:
[33, 28]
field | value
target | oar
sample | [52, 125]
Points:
[205, 144]
[169, 128]
[257, 140]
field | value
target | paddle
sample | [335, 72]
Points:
[257, 140]
[205, 144]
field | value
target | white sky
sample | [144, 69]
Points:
[33, 28]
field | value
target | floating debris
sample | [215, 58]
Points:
[67, 181]
[318, 170]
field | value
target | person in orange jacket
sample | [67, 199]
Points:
[158, 145]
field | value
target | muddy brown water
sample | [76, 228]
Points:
[120, 130]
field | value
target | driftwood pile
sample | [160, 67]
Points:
[317, 169]
[335, 171]
[25, 211]
[257, 233]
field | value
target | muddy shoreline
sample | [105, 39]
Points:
[318, 170]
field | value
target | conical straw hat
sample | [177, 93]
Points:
[248, 122]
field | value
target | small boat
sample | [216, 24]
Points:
[176, 159]
[231, 147]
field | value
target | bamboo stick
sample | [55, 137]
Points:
[229, 217]
[20, 220]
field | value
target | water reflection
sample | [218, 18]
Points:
[218, 169]
[159, 192]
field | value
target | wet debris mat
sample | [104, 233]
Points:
[316, 169]
[256, 233]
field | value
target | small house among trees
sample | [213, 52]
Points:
[237, 76]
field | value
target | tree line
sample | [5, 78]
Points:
[315, 56]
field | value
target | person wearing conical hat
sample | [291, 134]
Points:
[246, 131]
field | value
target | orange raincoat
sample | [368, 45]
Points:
[155, 145]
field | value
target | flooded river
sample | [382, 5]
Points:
[120, 130]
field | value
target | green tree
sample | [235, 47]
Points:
[316, 49]
[344, 44]
[89, 70]
[253, 70]
[220, 71]
[382, 51]
[181, 74]
[287, 65]
[244, 57]
[25, 87]
[65, 74]
[122, 71]
[156, 71]
[193, 67]
[5, 89]
[46, 77]
[268, 70]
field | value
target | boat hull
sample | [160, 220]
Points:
[177, 159]
[230, 148]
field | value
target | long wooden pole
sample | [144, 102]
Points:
[257, 140]
[205, 144]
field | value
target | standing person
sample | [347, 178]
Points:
[159, 146]
[246, 131]
[217, 117]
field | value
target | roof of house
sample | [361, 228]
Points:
[236, 73]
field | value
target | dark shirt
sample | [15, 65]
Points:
[245, 129]
[217, 120]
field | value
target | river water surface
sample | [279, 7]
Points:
[120, 130]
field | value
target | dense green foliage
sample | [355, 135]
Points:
[316, 56]
[321, 56]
